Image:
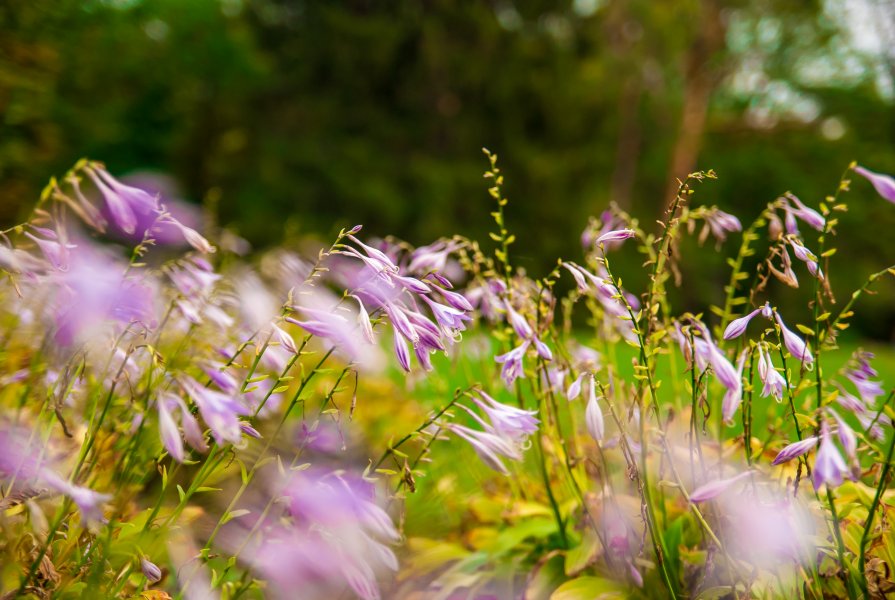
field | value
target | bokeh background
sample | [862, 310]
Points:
[287, 118]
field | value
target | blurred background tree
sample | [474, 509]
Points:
[291, 116]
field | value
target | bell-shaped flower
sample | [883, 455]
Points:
[773, 383]
[509, 421]
[884, 184]
[593, 416]
[734, 396]
[512, 363]
[794, 344]
[518, 322]
[737, 327]
[808, 215]
[795, 450]
[829, 466]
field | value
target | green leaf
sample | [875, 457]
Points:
[588, 588]
[234, 514]
[546, 577]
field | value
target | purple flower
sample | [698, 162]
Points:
[168, 431]
[884, 184]
[719, 223]
[734, 396]
[543, 350]
[715, 488]
[575, 388]
[845, 434]
[810, 216]
[794, 344]
[150, 570]
[617, 235]
[593, 416]
[519, 324]
[220, 412]
[489, 446]
[807, 257]
[401, 351]
[512, 363]
[773, 381]
[794, 450]
[124, 202]
[513, 423]
[829, 467]
[738, 326]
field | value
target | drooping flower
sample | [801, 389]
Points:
[518, 322]
[593, 415]
[714, 489]
[734, 396]
[490, 447]
[512, 363]
[795, 450]
[719, 224]
[884, 184]
[773, 382]
[794, 344]
[513, 423]
[808, 215]
[807, 257]
[845, 434]
[829, 467]
[123, 201]
[220, 411]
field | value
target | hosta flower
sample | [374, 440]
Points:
[512, 363]
[719, 223]
[884, 184]
[575, 388]
[617, 235]
[22, 465]
[715, 488]
[773, 383]
[807, 257]
[861, 374]
[734, 396]
[220, 411]
[794, 344]
[738, 326]
[845, 434]
[593, 415]
[150, 570]
[808, 215]
[338, 538]
[490, 447]
[518, 322]
[508, 421]
[124, 202]
[795, 450]
[829, 467]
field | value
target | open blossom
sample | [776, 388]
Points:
[829, 466]
[773, 383]
[220, 411]
[512, 363]
[511, 422]
[861, 376]
[490, 447]
[884, 184]
[125, 203]
[719, 224]
[794, 344]
[794, 450]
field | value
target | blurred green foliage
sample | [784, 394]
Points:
[291, 116]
